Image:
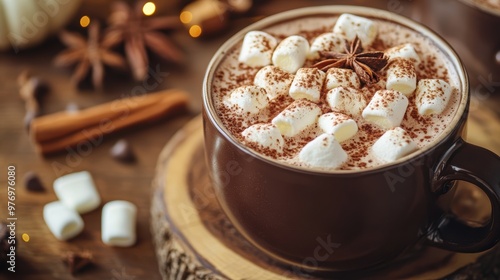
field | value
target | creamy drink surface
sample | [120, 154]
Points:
[231, 74]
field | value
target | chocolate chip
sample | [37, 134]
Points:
[32, 182]
[121, 151]
[77, 261]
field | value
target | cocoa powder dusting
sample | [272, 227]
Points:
[422, 129]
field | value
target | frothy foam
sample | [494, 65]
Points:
[424, 130]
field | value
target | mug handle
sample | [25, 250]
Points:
[481, 167]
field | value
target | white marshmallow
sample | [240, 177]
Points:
[405, 51]
[393, 144]
[77, 191]
[349, 26]
[64, 222]
[432, 96]
[266, 136]
[401, 76]
[291, 53]
[307, 84]
[326, 42]
[386, 109]
[323, 152]
[339, 125]
[257, 49]
[340, 77]
[275, 81]
[247, 99]
[297, 117]
[118, 223]
[346, 100]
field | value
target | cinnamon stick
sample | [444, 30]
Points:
[56, 132]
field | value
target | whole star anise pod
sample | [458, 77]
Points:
[365, 64]
[90, 54]
[138, 32]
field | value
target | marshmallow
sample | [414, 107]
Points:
[432, 96]
[323, 152]
[247, 99]
[64, 222]
[118, 223]
[257, 49]
[349, 26]
[326, 42]
[307, 84]
[77, 191]
[405, 51]
[291, 53]
[275, 81]
[346, 100]
[386, 109]
[266, 136]
[297, 117]
[339, 125]
[393, 144]
[340, 77]
[401, 76]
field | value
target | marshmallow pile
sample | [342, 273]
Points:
[77, 195]
[283, 73]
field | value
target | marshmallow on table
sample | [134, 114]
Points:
[326, 42]
[266, 136]
[405, 51]
[247, 99]
[386, 109]
[401, 76]
[77, 191]
[323, 152]
[291, 53]
[339, 125]
[346, 100]
[274, 80]
[340, 77]
[307, 84]
[118, 223]
[432, 96]
[64, 222]
[351, 26]
[257, 49]
[297, 117]
[393, 144]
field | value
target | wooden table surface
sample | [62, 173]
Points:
[40, 257]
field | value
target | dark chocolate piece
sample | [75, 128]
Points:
[32, 182]
[121, 151]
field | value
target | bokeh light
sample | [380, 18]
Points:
[149, 8]
[186, 17]
[84, 21]
[195, 31]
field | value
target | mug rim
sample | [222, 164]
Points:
[437, 40]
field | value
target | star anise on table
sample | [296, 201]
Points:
[365, 64]
[91, 54]
[139, 32]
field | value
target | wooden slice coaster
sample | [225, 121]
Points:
[195, 240]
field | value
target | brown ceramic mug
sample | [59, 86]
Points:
[350, 220]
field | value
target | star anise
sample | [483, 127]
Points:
[90, 54]
[138, 32]
[365, 64]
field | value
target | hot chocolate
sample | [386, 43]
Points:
[335, 92]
